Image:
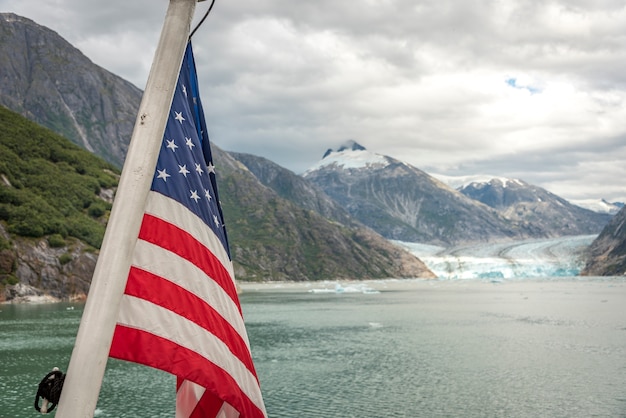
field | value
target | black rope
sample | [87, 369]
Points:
[49, 391]
[203, 19]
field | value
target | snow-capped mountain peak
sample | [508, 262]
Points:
[349, 145]
[350, 155]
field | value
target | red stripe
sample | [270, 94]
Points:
[168, 295]
[183, 363]
[180, 242]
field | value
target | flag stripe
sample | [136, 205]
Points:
[171, 211]
[193, 401]
[179, 271]
[161, 292]
[226, 411]
[180, 242]
[188, 395]
[223, 374]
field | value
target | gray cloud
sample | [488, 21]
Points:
[528, 89]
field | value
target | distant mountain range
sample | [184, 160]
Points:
[459, 182]
[533, 205]
[327, 223]
[404, 203]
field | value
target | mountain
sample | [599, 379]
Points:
[52, 83]
[403, 203]
[295, 188]
[272, 238]
[275, 238]
[607, 253]
[532, 205]
[55, 199]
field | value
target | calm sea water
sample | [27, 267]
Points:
[463, 348]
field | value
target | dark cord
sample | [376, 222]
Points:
[50, 390]
[203, 19]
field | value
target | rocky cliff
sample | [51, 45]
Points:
[607, 253]
[30, 269]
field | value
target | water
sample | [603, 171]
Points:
[416, 349]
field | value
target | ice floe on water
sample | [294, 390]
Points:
[349, 288]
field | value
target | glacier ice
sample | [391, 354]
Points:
[554, 257]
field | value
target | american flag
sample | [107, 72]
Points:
[180, 310]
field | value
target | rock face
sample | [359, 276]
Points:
[24, 293]
[49, 81]
[533, 205]
[607, 253]
[60, 273]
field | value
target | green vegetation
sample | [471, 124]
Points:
[10, 280]
[49, 186]
[65, 258]
[56, 241]
[5, 244]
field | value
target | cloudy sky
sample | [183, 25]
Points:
[526, 89]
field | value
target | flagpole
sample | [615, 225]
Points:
[93, 341]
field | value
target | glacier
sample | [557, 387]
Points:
[536, 258]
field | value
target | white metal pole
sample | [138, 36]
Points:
[93, 341]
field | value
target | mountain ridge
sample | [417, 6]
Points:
[402, 202]
[88, 105]
[523, 202]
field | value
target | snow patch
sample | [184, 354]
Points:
[477, 180]
[351, 159]
[600, 206]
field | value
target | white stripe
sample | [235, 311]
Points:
[187, 398]
[187, 275]
[173, 212]
[146, 316]
[227, 411]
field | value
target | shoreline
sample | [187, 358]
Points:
[376, 286]
[354, 286]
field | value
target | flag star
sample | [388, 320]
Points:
[171, 145]
[182, 169]
[179, 116]
[211, 167]
[189, 143]
[216, 220]
[207, 194]
[199, 169]
[163, 174]
[194, 195]
[185, 90]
